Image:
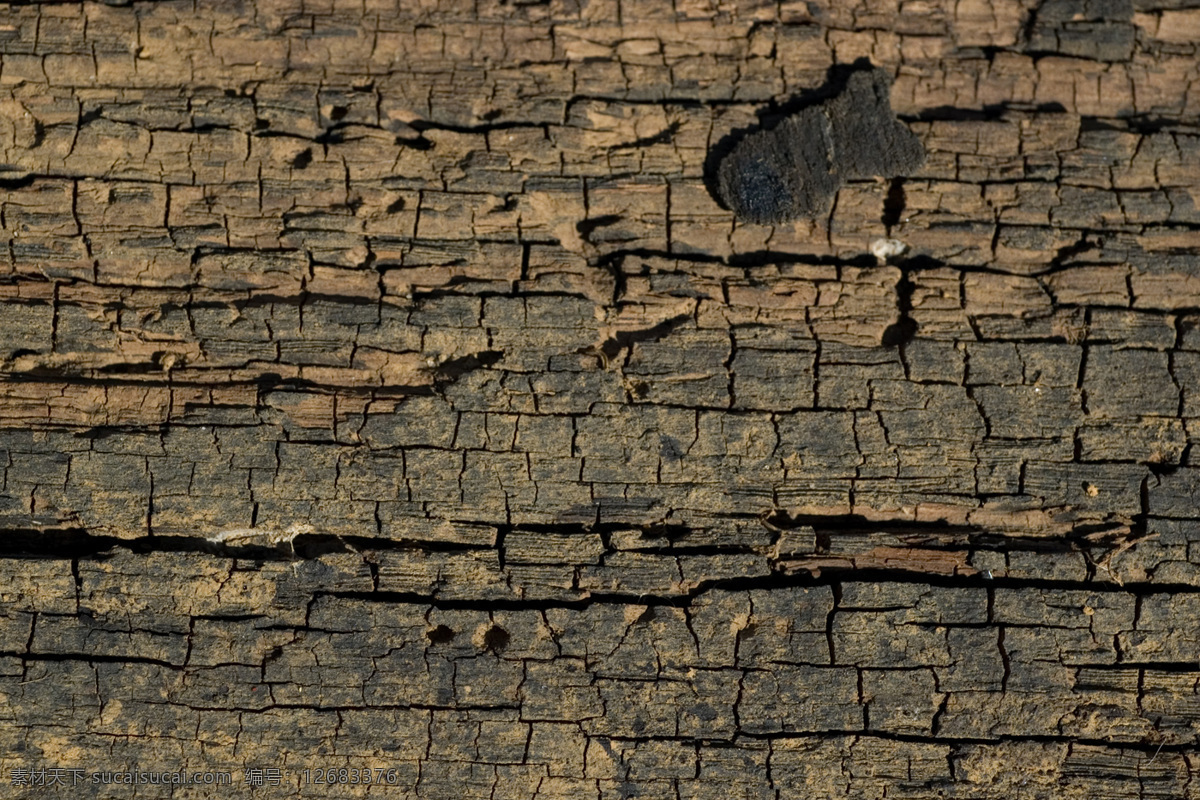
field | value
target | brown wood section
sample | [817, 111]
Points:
[382, 390]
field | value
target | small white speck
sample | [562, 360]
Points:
[883, 249]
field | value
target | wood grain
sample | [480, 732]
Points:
[382, 387]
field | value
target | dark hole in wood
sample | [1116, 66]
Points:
[440, 635]
[496, 639]
[893, 205]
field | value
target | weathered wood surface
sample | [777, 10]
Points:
[383, 388]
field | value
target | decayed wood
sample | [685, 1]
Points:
[384, 389]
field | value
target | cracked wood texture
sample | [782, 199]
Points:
[383, 388]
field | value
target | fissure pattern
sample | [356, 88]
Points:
[383, 386]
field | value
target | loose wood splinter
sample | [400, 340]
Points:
[794, 169]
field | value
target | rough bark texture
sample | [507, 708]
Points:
[382, 387]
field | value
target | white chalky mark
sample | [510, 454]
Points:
[883, 249]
